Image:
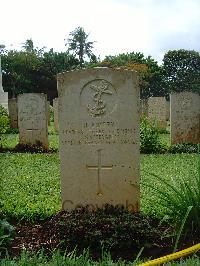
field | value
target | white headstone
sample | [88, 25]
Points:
[185, 117]
[55, 111]
[3, 95]
[13, 112]
[99, 138]
[32, 119]
[157, 111]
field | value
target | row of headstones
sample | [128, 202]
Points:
[184, 116]
[156, 109]
[183, 111]
[99, 116]
[30, 112]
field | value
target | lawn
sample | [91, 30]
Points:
[30, 183]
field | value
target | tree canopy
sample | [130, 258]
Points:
[181, 70]
[79, 45]
[149, 72]
[33, 70]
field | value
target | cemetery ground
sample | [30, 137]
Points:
[31, 202]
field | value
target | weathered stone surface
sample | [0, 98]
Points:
[144, 108]
[48, 112]
[99, 138]
[167, 110]
[55, 111]
[4, 99]
[13, 112]
[157, 111]
[185, 117]
[32, 119]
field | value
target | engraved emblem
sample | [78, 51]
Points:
[99, 105]
[98, 98]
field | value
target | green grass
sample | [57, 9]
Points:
[30, 189]
[83, 260]
[167, 166]
[11, 140]
[31, 182]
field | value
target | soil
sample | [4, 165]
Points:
[69, 230]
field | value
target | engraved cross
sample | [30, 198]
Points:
[99, 168]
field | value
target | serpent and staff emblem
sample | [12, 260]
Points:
[99, 106]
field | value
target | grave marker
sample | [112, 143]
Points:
[13, 112]
[99, 138]
[55, 112]
[185, 117]
[32, 119]
[157, 111]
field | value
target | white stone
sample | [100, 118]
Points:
[13, 112]
[55, 112]
[4, 99]
[32, 119]
[157, 111]
[99, 138]
[185, 117]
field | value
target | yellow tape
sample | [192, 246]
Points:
[173, 256]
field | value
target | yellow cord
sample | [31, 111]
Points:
[173, 256]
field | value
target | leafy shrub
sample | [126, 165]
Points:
[6, 235]
[183, 148]
[177, 196]
[4, 120]
[149, 138]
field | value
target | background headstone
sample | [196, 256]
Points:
[144, 108]
[185, 117]
[48, 112]
[3, 95]
[99, 138]
[55, 112]
[32, 119]
[157, 111]
[167, 110]
[13, 112]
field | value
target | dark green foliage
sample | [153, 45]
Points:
[80, 46]
[177, 196]
[181, 70]
[149, 138]
[4, 120]
[149, 72]
[6, 235]
[183, 148]
[33, 69]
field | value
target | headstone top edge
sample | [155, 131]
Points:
[95, 69]
[32, 93]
